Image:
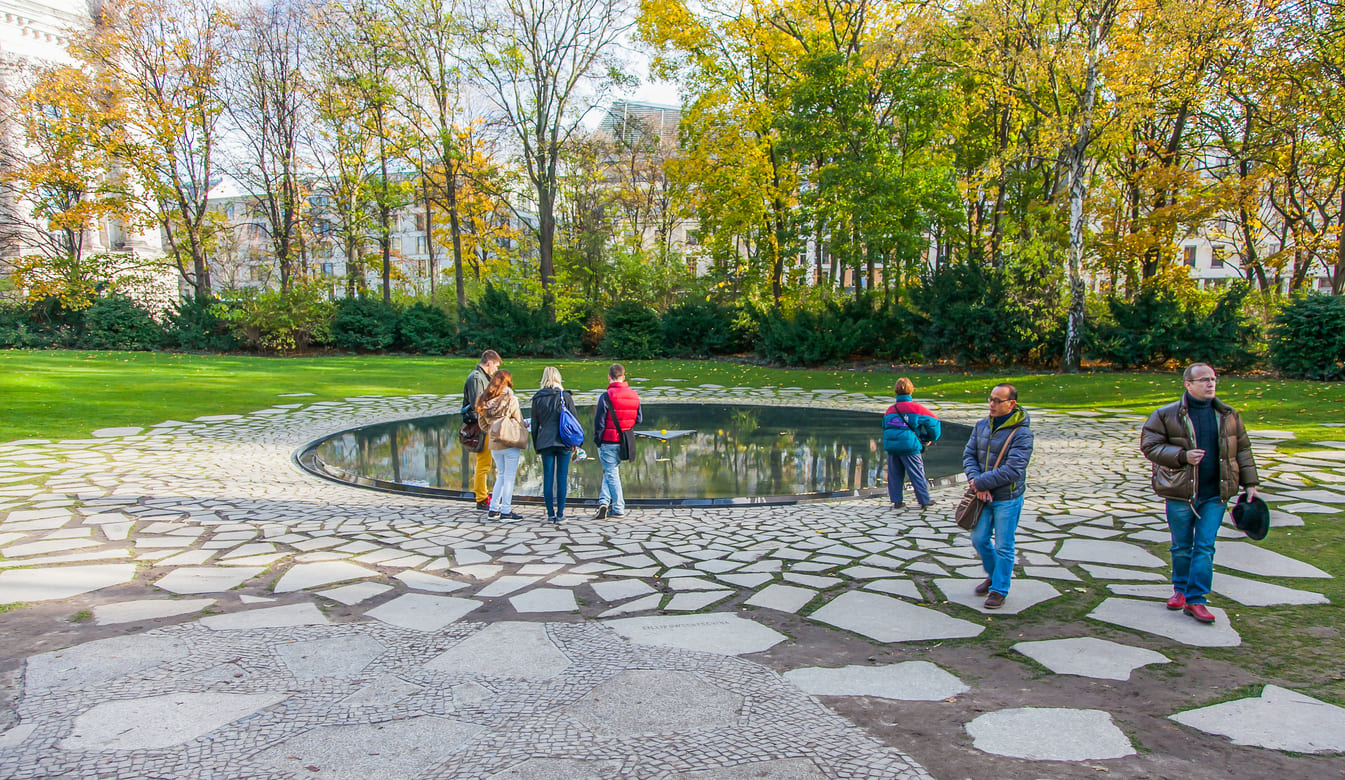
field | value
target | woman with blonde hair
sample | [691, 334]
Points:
[497, 409]
[546, 407]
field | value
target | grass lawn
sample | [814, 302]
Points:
[62, 394]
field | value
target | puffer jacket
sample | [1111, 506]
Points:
[546, 405]
[1167, 436]
[625, 403]
[908, 427]
[496, 409]
[1009, 481]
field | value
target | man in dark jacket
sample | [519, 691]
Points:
[620, 405]
[1000, 486]
[475, 385]
[1201, 458]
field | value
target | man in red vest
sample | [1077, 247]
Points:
[618, 412]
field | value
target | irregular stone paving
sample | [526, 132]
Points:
[207, 506]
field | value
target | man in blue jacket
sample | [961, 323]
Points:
[1001, 487]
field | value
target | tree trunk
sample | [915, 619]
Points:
[429, 232]
[455, 230]
[1338, 275]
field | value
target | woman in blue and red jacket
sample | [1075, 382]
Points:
[907, 428]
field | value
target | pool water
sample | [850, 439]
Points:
[685, 454]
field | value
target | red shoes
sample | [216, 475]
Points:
[1199, 612]
[1177, 601]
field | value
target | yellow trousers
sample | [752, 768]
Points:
[481, 475]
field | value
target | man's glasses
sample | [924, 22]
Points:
[1207, 380]
[995, 400]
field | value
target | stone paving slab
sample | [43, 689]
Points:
[267, 617]
[357, 593]
[895, 587]
[1023, 594]
[306, 576]
[523, 651]
[24, 585]
[909, 681]
[420, 612]
[194, 579]
[1090, 657]
[891, 620]
[785, 598]
[545, 600]
[621, 590]
[1103, 551]
[1048, 734]
[1278, 719]
[1157, 619]
[1245, 556]
[714, 633]
[157, 722]
[146, 609]
[1263, 594]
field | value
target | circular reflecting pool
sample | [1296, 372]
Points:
[686, 454]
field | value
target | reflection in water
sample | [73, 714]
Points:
[731, 451]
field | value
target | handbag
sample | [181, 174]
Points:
[471, 437]
[571, 432]
[510, 432]
[968, 511]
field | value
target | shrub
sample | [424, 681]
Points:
[115, 322]
[363, 324]
[51, 325]
[512, 327]
[201, 324]
[974, 314]
[1307, 339]
[1166, 322]
[425, 328]
[16, 327]
[826, 330]
[282, 322]
[634, 332]
[700, 328]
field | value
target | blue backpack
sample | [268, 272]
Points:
[571, 432]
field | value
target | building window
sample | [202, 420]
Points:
[420, 245]
[420, 222]
[1189, 256]
[1217, 256]
[328, 269]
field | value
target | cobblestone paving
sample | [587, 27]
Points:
[216, 508]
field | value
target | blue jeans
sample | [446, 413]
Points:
[555, 471]
[610, 494]
[901, 466]
[1193, 535]
[1001, 519]
[506, 468]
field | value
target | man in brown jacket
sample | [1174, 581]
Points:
[1201, 458]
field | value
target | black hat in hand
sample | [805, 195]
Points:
[1251, 517]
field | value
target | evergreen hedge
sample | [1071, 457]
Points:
[1307, 339]
[959, 313]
